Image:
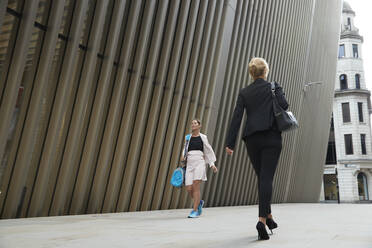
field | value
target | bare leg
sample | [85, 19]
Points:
[196, 193]
[189, 190]
[263, 220]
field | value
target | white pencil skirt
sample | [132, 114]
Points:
[196, 168]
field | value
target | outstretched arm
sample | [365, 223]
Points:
[235, 123]
[209, 155]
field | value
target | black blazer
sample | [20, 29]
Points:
[256, 100]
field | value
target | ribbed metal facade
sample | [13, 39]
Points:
[96, 97]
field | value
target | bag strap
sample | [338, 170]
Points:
[273, 88]
[187, 138]
[276, 106]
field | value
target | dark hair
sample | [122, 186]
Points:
[197, 120]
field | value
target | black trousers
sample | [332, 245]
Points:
[264, 149]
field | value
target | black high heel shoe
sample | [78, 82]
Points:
[262, 233]
[271, 224]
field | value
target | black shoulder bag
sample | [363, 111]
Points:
[285, 120]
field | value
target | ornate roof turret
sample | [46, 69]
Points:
[348, 30]
[347, 9]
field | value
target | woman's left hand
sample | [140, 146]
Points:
[214, 168]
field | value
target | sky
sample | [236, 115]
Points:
[362, 20]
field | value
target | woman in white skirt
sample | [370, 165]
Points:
[197, 153]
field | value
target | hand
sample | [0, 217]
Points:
[183, 162]
[183, 158]
[229, 151]
[214, 168]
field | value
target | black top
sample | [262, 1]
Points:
[256, 100]
[196, 144]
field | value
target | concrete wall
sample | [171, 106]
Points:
[96, 97]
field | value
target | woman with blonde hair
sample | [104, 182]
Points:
[197, 153]
[262, 138]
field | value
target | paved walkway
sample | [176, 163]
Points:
[300, 226]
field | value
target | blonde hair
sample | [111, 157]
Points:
[258, 67]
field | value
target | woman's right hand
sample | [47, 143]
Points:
[229, 151]
[183, 161]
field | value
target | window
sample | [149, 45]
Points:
[341, 51]
[348, 144]
[343, 82]
[331, 153]
[363, 143]
[348, 21]
[346, 112]
[357, 81]
[360, 111]
[330, 187]
[355, 51]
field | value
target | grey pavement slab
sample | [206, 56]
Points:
[300, 225]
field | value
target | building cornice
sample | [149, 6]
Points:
[352, 92]
[366, 161]
[348, 11]
[350, 58]
[351, 35]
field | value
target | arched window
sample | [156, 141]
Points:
[357, 81]
[355, 51]
[343, 82]
[362, 187]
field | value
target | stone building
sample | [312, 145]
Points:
[348, 168]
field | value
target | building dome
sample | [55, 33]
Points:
[348, 30]
[346, 8]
